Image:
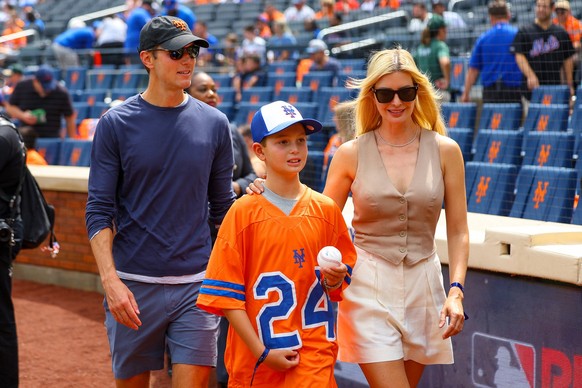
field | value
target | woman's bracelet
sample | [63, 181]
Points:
[457, 284]
[333, 286]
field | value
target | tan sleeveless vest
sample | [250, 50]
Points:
[397, 226]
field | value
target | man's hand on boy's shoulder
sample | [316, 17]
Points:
[256, 187]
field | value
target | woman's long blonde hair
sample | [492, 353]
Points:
[426, 113]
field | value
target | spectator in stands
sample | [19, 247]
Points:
[137, 18]
[111, 35]
[13, 25]
[41, 103]
[420, 17]
[343, 118]
[263, 28]
[338, 38]
[272, 14]
[299, 11]
[452, 19]
[573, 27]
[432, 56]
[12, 76]
[206, 55]
[32, 20]
[172, 8]
[392, 4]
[252, 75]
[228, 56]
[319, 54]
[310, 25]
[368, 5]
[32, 156]
[345, 6]
[258, 165]
[78, 36]
[253, 44]
[282, 37]
[326, 10]
[500, 76]
[542, 49]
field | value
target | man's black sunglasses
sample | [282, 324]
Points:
[385, 95]
[178, 54]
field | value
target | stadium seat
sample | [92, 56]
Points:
[459, 114]
[549, 148]
[343, 76]
[123, 93]
[312, 173]
[459, 67]
[100, 79]
[90, 96]
[49, 148]
[294, 95]
[315, 80]
[352, 64]
[226, 95]
[490, 187]
[464, 138]
[329, 97]
[82, 110]
[500, 116]
[222, 80]
[246, 111]
[75, 78]
[128, 78]
[280, 67]
[546, 118]
[577, 216]
[545, 194]
[498, 146]
[277, 81]
[262, 94]
[98, 109]
[550, 94]
[75, 153]
[228, 109]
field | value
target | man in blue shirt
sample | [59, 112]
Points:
[172, 8]
[501, 78]
[161, 169]
[77, 37]
[135, 22]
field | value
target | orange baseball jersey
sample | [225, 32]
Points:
[265, 262]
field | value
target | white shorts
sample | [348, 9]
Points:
[391, 312]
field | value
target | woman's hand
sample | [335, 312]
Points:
[453, 309]
[256, 187]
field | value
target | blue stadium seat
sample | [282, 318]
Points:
[307, 109]
[128, 78]
[90, 96]
[75, 78]
[123, 93]
[246, 111]
[352, 64]
[312, 174]
[277, 81]
[315, 80]
[546, 118]
[459, 67]
[549, 148]
[75, 153]
[545, 194]
[98, 109]
[49, 148]
[279, 67]
[577, 216]
[497, 146]
[226, 95]
[228, 109]
[343, 76]
[262, 94]
[551, 95]
[329, 97]
[293, 95]
[490, 187]
[500, 116]
[222, 80]
[100, 78]
[464, 138]
[82, 109]
[459, 114]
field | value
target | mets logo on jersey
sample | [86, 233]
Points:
[502, 362]
[179, 24]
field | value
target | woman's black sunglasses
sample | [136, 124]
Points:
[178, 54]
[385, 95]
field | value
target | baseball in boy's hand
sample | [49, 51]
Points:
[329, 257]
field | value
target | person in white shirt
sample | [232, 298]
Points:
[299, 11]
[452, 19]
[420, 17]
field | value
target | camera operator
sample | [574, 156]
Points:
[11, 167]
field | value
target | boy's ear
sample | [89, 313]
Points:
[258, 149]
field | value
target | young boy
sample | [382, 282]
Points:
[262, 273]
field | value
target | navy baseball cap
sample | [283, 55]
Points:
[46, 77]
[277, 116]
[168, 32]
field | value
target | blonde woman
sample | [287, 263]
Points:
[396, 317]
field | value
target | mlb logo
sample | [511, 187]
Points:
[502, 362]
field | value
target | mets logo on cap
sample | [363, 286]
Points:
[179, 24]
[277, 116]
